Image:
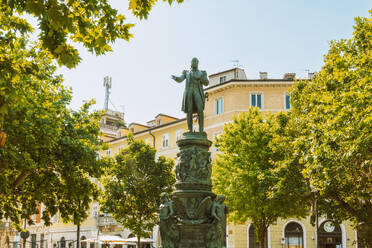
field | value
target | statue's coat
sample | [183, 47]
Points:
[201, 80]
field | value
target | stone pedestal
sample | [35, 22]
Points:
[193, 216]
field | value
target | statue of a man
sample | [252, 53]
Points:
[193, 96]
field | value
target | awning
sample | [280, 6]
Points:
[107, 239]
[118, 240]
[143, 240]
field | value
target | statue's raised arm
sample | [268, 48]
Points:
[180, 78]
[193, 97]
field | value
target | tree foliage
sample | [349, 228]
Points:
[264, 182]
[133, 185]
[94, 24]
[60, 24]
[48, 148]
[334, 114]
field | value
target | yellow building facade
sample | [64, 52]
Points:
[228, 94]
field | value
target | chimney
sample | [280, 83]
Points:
[310, 75]
[263, 75]
[289, 76]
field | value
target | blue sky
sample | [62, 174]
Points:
[276, 36]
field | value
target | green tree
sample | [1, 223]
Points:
[133, 185]
[48, 146]
[263, 182]
[334, 114]
[33, 114]
[60, 24]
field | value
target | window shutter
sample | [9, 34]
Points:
[287, 102]
[259, 101]
[253, 100]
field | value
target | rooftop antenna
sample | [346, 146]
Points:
[236, 63]
[113, 105]
[107, 82]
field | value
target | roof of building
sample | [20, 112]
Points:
[250, 80]
[149, 129]
[214, 74]
[160, 114]
[135, 123]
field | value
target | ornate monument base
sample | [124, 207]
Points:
[193, 217]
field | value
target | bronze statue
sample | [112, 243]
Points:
[219, 211]
[193, 216]
[193, 96]
[168, 230]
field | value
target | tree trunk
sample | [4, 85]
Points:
[78, 236]
[262, 234]
[138, 242]
[365, 235]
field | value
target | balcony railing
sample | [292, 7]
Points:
[109, 127]
[106, 221]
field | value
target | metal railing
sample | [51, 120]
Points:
[106, 221]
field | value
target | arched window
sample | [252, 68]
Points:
[62, 242]
[294, 235]
[330, 235]
[82, 243]
[253, 241]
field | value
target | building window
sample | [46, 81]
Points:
[256, 100]
[253, 242]
[108, 152]
[219, 106]
[165, 140]
[82, 243]
[42, 240]
[120, 148]
[179, 134]
[287, 102]
[62, 243]
[330, 235]
[222, 79]
[33, 240]
[294, 235]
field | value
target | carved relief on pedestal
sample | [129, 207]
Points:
[194, 166]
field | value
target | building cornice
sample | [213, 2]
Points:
[249, 83]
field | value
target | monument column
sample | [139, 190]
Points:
[193, 216]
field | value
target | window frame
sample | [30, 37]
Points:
[165, 137]
[251, 93]
[222, 79]
[216, 100]
[285, 101]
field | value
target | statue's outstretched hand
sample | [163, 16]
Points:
[174, 77]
